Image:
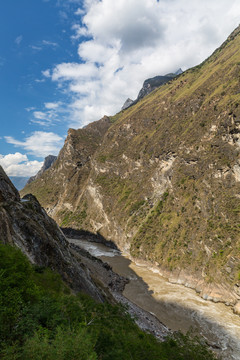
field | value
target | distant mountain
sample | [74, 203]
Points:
[179, 71]
[48, 161]
[151, 84]
[19, 181]
[127, 103]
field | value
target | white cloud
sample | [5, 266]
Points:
[129, 41]
[19, 39]
[46, 73]
[49, 116]
[52, 105]
[39, 144]
[40, 80]
[19, 165]
[36, 48]
[42, 44]
[49, 43]
[74, 71]
[31, 108]
[39, 115]
[79, 12]
[79, 31]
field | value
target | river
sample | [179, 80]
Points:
[176, 306]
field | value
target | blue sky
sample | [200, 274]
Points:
[65, 63]
[34, 35]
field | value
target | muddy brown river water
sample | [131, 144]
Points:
[176, 306]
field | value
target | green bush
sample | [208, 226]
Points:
[41, 320]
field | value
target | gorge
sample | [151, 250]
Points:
[160, 180]
[175, 306]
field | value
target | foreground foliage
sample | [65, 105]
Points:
[41, 320]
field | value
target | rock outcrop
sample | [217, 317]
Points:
[127, 103]
[24, 223]
[150, 85]
[48, 161]
[7, 190]
[162, 178]
[153, 83]
[73, 166]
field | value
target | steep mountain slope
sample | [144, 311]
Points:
[164, 181]
[25, 224]
[72, 167]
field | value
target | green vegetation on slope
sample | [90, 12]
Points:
[41, 320]
[183, 138]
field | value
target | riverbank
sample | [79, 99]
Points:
[176, 306]
[112, 285]
[208, 291]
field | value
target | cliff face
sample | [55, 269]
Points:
[72, 167]
[163, 179]
[151, 84]
[48, 161]
[24, 223]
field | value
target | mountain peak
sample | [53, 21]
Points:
[48, 161]
[179, 71]
[127, 103]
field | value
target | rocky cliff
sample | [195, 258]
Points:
[48, 161]
[162, 178]
[24, 223]
[150, 85]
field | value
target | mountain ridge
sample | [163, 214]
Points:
[25, 224]
[150, 85]
[48, 161]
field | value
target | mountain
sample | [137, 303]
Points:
[127, 103]
[150, 85]
[48, 161]
[19, 181]
[25, 224]
[162, 178]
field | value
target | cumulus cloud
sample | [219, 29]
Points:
[122, 43]
[19, 165]
[39, 144]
